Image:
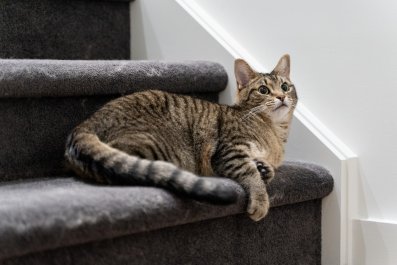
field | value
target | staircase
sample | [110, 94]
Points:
[62, 60]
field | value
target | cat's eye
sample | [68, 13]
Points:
[264, 90]
[285, 87]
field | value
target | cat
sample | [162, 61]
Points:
[168, 140]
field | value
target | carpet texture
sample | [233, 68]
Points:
[44, 99]
[60, 78]
[57, 29]
[289, 235]
[56, 212]
[34, 131]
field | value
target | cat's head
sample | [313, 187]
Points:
[272, 93]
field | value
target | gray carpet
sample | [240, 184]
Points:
[58, 29]
[289, 235]
[56, 212]
[61, 78]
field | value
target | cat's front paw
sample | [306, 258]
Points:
[266, 171]
[258, 209]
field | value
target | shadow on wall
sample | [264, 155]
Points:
[175, 36]
[141, 27]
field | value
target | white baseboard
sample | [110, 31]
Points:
[374, 242]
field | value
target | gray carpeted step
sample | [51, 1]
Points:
[290, 235]
[53, 213]
[42, 100]
[62, 78]
[56, 29]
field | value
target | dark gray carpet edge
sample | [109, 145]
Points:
[55, 212]
[290, 235]
[60, 78]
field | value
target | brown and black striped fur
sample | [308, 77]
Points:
[167, 140]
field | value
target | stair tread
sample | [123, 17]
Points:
[53, 212]
[61, 78]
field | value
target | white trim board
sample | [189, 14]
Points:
[374, 242]
[325, 149]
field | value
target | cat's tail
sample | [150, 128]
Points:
[91, 158]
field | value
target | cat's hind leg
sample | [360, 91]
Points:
[154, 167]
[141, 145]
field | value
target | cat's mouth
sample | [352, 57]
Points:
[281, 106]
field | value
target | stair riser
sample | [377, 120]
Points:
[48, 29]
[34, 131]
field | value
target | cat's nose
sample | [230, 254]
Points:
[281, 98]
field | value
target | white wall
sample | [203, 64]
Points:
[344, 63]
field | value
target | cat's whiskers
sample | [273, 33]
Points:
[254, 111]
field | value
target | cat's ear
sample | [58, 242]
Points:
[283, 66]
[243, 73]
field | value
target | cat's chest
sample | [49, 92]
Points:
[256, 150]
[271, 153]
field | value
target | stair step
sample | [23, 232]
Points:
[48, 29]
[62, 78]
[42, 100]
[50, 213]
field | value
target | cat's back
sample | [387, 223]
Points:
[160, 102]
[156, 112]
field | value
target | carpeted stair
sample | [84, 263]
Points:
[49, 217]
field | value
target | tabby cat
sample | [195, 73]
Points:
[167, 140]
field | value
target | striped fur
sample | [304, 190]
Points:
[167, 140]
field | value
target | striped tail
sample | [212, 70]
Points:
[91, 158]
